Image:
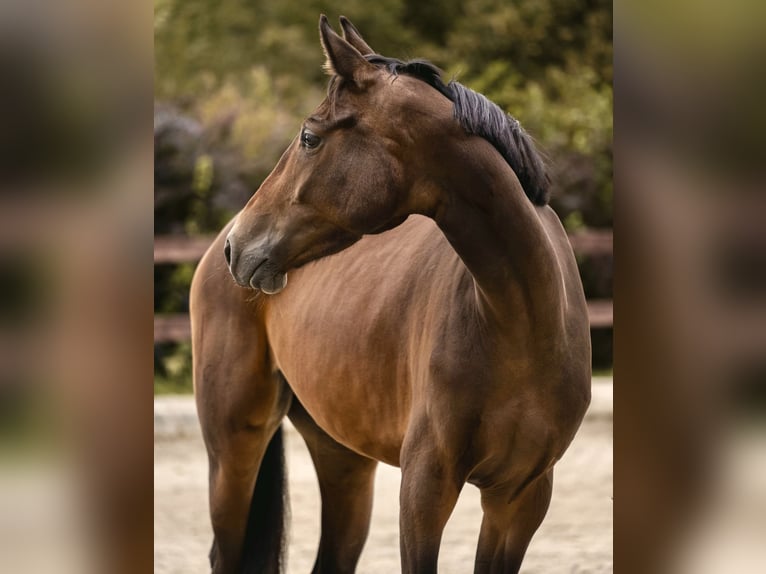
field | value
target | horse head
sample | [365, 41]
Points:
[350, 171]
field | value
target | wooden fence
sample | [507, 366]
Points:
[183, 249]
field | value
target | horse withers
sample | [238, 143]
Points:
[434, 320]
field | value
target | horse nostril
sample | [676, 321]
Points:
[227, 252]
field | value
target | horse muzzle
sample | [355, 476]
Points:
[253, 267]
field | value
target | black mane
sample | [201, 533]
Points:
[483, 118]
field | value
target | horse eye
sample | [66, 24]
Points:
[310, 140]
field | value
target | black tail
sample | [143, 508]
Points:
[264, 547]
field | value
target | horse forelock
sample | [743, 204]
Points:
[478, 116]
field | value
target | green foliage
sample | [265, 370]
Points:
[573, 223]
[171, 287]
[263, 119]
[174, 373]
[201, 44]
[534, 35]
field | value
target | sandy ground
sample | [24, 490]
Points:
[575, 538]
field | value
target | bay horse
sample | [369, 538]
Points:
[434, 320]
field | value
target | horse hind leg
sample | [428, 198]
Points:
[508, 525]
[346, 484]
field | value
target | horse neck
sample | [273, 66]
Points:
[499, 234]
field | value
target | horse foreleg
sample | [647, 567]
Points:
[429, 490]
[346, 484]
[240, 418]
[509, 524]
[241, 403]
[237, 464]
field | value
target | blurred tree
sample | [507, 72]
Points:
[201, 44]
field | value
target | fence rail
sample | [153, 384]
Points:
[180, 248]
[171, 249]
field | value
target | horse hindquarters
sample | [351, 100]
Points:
[240, 404]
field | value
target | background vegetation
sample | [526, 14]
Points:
[234, 79]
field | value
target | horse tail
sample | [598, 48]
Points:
[265, 540]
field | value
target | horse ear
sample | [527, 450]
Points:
[353, 37]
[342, 58]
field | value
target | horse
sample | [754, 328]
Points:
[434, 320]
